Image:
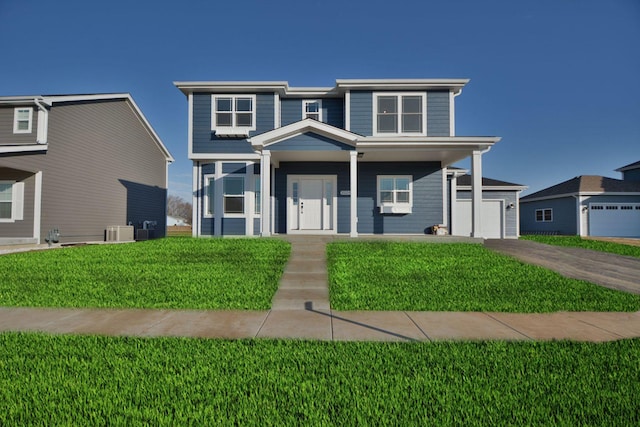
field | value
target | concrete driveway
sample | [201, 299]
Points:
[605, 269]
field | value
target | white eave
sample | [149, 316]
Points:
[405, 84]
[23, 148]
[581, 194]
[300, 127]
[482, 142]
[495, 187]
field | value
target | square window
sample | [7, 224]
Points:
[395, 194]
[312, 109]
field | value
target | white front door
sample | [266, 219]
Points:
[311, 204]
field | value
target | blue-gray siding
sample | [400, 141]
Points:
[632, 175]
[427, 198]
[332, 111]
[205, 140]
[427, 195]
[511, 215]
[362, 112]
[233, 226]
[564, 216]
[309, 142]
[290, 111]
[438, 113]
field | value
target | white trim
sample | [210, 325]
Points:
[205, 195]
[234, 129]
[23, 148]
[452, 114]
[43, 123]
[394, 207]
[16, 111]
[190, 126]
[212, 157]
[452, 141]
[276, 135]
[353, 193]
[265, 194]
[445, 219]
[399, 96]
[579, 215]
[334, 203]
[17, 201]
[195, 213]
[277, 115]
[306, 102]
[347, 110]
[495, 187]
[218, 201]
[476, 194]
[586, 193]
[454, 200]
[37, 206]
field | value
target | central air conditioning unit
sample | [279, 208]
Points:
[119, 233]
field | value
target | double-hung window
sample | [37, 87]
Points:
[395, 193]
[233, 193]
[11, 201]
[544, 215]
[312, 109]
[22, 119]
[233, 114]
[400, 114]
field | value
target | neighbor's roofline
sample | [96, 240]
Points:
[525, 199]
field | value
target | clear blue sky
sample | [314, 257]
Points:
[558, 80]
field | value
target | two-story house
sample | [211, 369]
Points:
[361, 157]
[79, 164]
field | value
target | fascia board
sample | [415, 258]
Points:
[432, 139]
[224, 156]
[405, 84]
[581, 194]
[494, 188]
[23, 148]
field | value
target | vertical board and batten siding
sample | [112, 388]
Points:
[7, 137]
[438, 121]
[510, 215]
[564, 216]
[427, 198]
[20, 228]
[438, 113]
[205, 140]
[102, 168]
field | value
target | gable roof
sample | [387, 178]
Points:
[628, 167]
[585, 184]
[49, 100]
[303, 126]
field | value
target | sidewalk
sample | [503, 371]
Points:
[300, 310]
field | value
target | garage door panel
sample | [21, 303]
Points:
[492, 225]
[614, 219]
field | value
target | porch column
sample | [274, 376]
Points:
[476, 194]
[37, 207]
[353, 181]
[265, 194]
[453, 227]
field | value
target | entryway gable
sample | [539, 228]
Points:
[307, 126]
[309, 141]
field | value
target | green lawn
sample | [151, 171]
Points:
[164, 273]
[579, 242]
[455, 277]
[87, 380]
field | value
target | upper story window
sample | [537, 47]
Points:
[400, 114]
[233, 114]
[22, 119]
[312, 109]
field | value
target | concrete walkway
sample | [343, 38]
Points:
[301, 311]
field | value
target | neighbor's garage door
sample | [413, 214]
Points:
[614, 219]
[492, 219]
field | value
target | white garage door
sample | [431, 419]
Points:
[492, 226]
[614, 219]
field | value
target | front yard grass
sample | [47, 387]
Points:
[182, 273]
[455, 277]
[579, 242]
[88, 380]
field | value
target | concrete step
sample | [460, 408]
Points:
[295, 299]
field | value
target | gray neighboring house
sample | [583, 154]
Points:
[79, 164]
[500, 207]
[586, 205]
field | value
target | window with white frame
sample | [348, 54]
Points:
[395, 193]
[400, 114]
[233, 194]
[11, 201]
[312, 109]
[22, 119]
[544, 215]
[233, 112]
[209, 195]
